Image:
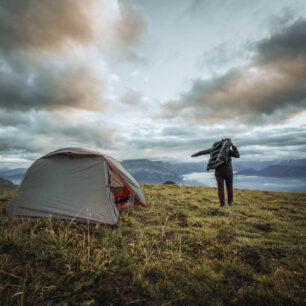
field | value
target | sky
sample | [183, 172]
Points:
[152, 79]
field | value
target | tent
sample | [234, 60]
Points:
[78, 184]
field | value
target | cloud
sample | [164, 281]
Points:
[41, 132]
[280, 138]
[288, 43]
[50, 85]
[128, 31]
[131, 25]
[28, 24]
[265, 144]
[273, 143]
[222, 56]
[173, 141]
[53, 53]
[57, 24]
[132, 97]
[270, 88]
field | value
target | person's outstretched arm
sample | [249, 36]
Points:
[234, 152]
[201, 153]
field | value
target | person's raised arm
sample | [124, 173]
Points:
[201, 153]
[234, 152]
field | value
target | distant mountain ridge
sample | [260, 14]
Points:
[14, 175]
[152, 172]
[6, 186]
[276, 171]
[259, 165]
[157, 172]
[292, 162]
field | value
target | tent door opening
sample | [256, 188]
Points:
[122, 196]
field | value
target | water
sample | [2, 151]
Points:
[207, 179]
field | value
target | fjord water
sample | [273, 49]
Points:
[207, 179]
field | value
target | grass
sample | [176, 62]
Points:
[182, 250]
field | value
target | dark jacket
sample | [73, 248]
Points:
[226, 168]
[220, 155]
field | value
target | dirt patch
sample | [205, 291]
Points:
[207, 200]
[5, 199]
[183, 224]
[234, 280]
[115, 289]
[131, 236]
[120, 291]
[9, 246]
[180, 217]
[261, 259]
[263, 227]
[225, 239]
[214, 211]
[169, 236]
[291, 210]
[270, 208]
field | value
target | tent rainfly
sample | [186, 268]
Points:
[78, 184]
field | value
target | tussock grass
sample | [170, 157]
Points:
[182, 250]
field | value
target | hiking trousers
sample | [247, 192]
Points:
[228, 178]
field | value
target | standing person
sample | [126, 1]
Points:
[225, 173]
[221, 160]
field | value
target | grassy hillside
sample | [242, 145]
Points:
[6, 186]
[182, 250]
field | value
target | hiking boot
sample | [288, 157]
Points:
[230, 203]
[222, 204]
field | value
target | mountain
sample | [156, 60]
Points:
[152, 172]
[187, 168]
[277, 171]
[239, 164]
[157, 172]
[14, 175]
[284, 171]
[248, 172]
[292, 163]
[6, 186]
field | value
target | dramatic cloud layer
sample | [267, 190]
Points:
[290, 42]
[57, 24]
[28, 24]
[55, 84]
[37, 130]
[50, 51]
[284, 141]
[152, 79]
[50, 85]
[272, 86]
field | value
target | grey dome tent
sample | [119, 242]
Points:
[78, 184]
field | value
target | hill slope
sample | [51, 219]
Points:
[6, 186]
[182, 250]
